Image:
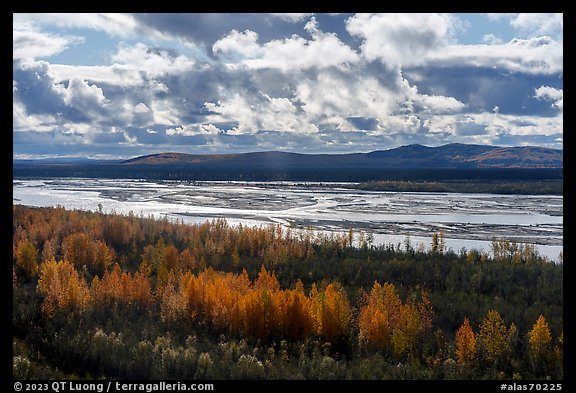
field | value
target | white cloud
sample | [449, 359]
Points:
[294, 53]
[151, 61]
[113, 75]
[122, 25]
[88, 102]
[485, 127]
[137, 66]
[499, 16]
[23, 121]
[534, 24]
[235, 42]
[439, 104]
[265, 113]
[399, 124]
[542, 55]
[80, 95]
[548, 93]
[491, 39]
[336, 95]
[291, 17]
[401, 39]
[30, 44]
[142, 115]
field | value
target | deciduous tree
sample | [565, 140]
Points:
[465, 344]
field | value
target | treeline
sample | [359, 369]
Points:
[530, 187]
[133, 297]
[278, 172]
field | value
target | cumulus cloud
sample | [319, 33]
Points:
[439, 104]
[244, 43]
[547, 93]
[491, 39]
[142, 115]
[538, 24]
[289, 54]
[401, 39]
[295, 83]
[22, 120]
[259, 113]
[87, 99]
[37, 89]
[333, 96]
[151, 61]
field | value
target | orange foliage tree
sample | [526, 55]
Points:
[465, 344]
[388, 324]
[82, 250]
[121, 287]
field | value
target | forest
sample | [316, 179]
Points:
[210, 172]
[132, 297]
[524, 187]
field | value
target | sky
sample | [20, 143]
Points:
[112, 86]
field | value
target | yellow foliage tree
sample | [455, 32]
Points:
[493, 336]
[61, 287]
[27, 258]
[407, 330]
[539, 337]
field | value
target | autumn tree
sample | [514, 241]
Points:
[61, 287]
[117, 287]
[378, 315]
[387, 323]
[335, 312]
[187, 259]
[298, 322]
[47, 251]
[438, 243]
[406, 331]
[493, 337]
[465, 344]
[173, 303]
[539, 339]
[27, 258]
[82, 250]
[171, 257]
[539, 336]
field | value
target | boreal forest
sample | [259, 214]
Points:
[131, 297]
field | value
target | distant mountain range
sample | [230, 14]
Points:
[454, 155]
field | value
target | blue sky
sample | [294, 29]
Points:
[123, 85]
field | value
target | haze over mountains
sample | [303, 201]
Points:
[453, 155]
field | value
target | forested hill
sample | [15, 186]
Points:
[413, 162]
[453, 155]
